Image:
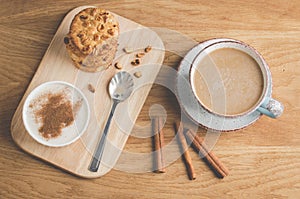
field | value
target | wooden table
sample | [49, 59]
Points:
[264, 158]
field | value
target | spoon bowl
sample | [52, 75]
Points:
[121, 86]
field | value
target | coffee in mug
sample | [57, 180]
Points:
[231, 79]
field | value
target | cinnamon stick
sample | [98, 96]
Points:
[184, 149]
[158, 144]
[213, 161]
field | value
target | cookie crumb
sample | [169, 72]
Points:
[140, 55]
[91, 88]
[135, 62]
[137, 74]
[128, 50]
[118, 65]
[148, 49]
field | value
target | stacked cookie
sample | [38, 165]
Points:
[93, 39]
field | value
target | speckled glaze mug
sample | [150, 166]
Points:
[265, 104]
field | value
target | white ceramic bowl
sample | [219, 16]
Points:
[70, 133]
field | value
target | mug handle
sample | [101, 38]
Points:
[271, 108]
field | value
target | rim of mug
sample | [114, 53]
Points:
[246, 49]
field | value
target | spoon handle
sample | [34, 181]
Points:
[99, 150]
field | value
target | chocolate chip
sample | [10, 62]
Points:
[100, 27]
[66, 40]
[83, 17]
[104, 19]
[110, 31]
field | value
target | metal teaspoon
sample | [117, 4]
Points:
[120, 88]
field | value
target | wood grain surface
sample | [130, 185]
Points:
[263, 159]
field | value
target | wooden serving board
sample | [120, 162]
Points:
[56, 65]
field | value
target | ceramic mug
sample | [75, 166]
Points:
[265, 104]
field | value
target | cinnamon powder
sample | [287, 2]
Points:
[55, 114]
